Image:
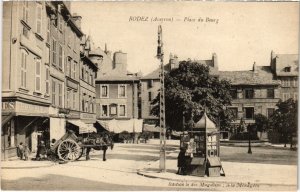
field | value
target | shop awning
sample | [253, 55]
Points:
[118, 126]
[83, 127]
[6, 118]
[151, 128]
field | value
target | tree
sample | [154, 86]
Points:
[284, 119]
[261, 122]
[189, 90]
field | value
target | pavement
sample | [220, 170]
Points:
[16, 163]
[127, 162]
[237, 173]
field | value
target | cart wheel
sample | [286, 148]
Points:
[81, 153]
[69, 150]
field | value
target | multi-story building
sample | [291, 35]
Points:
[65, 39]
[150, 84]
[285, 68]
[88, 69]
[117, 92]
[26, 94]
[117, 89]
[254, 91]
[46, 76]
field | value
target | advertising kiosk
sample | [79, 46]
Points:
[202, 149]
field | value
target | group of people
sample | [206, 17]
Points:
[23, 151]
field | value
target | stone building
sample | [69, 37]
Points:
[254, 91]
[26, 94]
[285, 68]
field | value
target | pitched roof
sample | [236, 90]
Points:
[155, 74]
[262, 76]
[213, 70]
[287, 60]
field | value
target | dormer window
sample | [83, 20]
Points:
[287, 69]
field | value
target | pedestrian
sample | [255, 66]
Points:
[20, 150]
[181, 161]
[26, 152]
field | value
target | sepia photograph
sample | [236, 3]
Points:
[149, 95]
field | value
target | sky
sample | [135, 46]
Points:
[240, 33]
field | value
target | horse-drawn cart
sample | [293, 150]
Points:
[70, 147]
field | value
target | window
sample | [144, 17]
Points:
[287, 69]
[74, 70]
[69, 67]
[82, 73]
[60, 22]
[233, 93]
[285, 83]
[249, 93]
[285, 96]
[295, 96]
[38, 75]
[149, 96]
[53, 92]
[60, 91]
[47, 80]
[296, 82]
[82, 104]
[234, 112]
[150, 83]
[53, 50]
[104, 112]
[270, 93]
[74, 100]
[113, 109]
[39, 18]
[68, 99]
[25, 11]
[25, 32]
[249, 112]
[270, 112]
[104, 91]
[23, 69]
[48, 30]
[122, 111]
[122, 91]
[60, 57]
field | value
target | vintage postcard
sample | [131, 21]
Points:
[149, 96]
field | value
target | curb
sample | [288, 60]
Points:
[28, 167]
[144, 174]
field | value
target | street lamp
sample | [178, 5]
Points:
[249, 136]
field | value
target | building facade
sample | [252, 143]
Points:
[253, 92]
[26, 95]
[116, 88]
[285, 68]
[48, 75]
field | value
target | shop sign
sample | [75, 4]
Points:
[8, 106]
[87, 116]
[30, 108]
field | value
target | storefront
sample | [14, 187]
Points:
[22, 122]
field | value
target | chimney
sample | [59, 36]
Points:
[77, 19]
[254, 67]
[215, 60]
